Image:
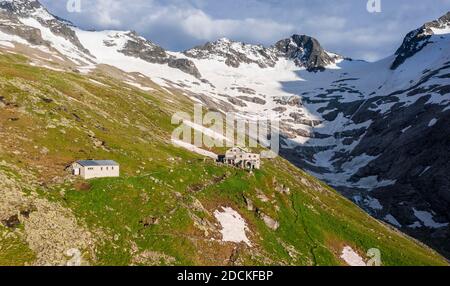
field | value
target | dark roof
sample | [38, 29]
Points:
[93, 163]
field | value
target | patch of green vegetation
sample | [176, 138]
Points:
[13, 250]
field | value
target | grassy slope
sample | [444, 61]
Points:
[66, 113]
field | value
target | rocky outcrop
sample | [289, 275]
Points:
[234, 54]
[184, 65]
[255, 100]
[289, 100]
[418, 39]
[10, 24]
[139, 47]
[306, 52]
[236, 102]
[270, 222]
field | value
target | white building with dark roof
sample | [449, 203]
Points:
[242, 158]
[90, 169]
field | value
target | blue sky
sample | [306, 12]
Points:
[342, 26]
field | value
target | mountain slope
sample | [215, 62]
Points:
[165, 207]
[374, 131]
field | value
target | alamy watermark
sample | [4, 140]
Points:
[73, 6]
[214, 129]
[75, 259]
[374, 6]
[375, 257]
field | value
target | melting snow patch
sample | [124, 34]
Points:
[432, 122]
[97, 82]
[194, 149]
[406, 129]
[140, 86]
[233, 225]
[427, 219]
[392, 220]
[7, 44]
[373, 203]
[206, 131]
[441, 31]
[425, 170]
[415, 225]
[373, 182]
[351, 257]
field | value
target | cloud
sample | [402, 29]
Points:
[105, 10]
[200, 26]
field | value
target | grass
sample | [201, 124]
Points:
[14, 251]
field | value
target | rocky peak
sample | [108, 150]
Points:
[439, 24]
[25, 8]
[418, 39]
[143, 48]
[306, 51]
[234, 53]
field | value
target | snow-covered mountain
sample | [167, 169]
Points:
[377, 132]
[303, 50]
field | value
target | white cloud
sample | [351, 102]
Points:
[201, 26]
[327, 22]
[104, 11]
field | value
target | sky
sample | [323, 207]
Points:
[342, 26]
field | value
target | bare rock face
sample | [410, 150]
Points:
[249, 203]
[255, 100]
[270, 222]
[302, 119]
[185, 65]
[145, 50]
[236, 102]
[141, 48]
[10, 24]
[306, 52]
[294, 101]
